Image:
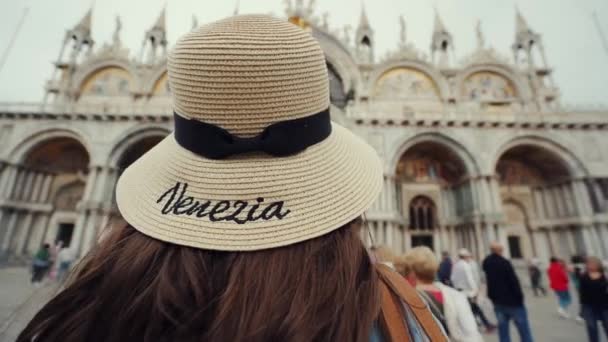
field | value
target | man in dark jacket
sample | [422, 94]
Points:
[505, 293]
[445, 269]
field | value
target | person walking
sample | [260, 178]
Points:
[65, 257]
[536, 277]
[506, 295]
[558, 281]
[445, 269]
[451, 305]
[40, 264]
[594, 298]
[244, 224]
[463, 279]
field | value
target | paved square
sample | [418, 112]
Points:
[19, 301]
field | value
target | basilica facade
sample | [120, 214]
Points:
[476, 148]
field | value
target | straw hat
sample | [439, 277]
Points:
[254, 161]
[463, 252]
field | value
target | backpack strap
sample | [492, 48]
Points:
[391, 316]
[397, 285]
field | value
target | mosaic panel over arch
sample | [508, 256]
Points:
[405, 83]
[110, 81]
[161, 87]
[488, 86]
[530, 165]
[430, 162]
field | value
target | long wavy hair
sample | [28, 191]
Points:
[131, 287]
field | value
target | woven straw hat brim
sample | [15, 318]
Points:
[323, 187]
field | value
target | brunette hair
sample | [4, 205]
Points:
[133, 287]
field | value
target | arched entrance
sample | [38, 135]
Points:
[544, 204]
[434, 196]
[124, 156]
[43, 192]
[422, 223]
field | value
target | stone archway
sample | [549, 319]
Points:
[554, 201]
[43, 191]
[431, 173]
[124, 154]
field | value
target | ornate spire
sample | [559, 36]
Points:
[364, 38]
[439, 27]
[441, 44]
[521, 25]
[80, 35]
[160, 22]
[363, 20]
[156, 37]
[85, 22]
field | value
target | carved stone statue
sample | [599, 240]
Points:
[403, 31]
[117, 29]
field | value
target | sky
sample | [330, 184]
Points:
[572, 42]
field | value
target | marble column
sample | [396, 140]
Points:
[480, 245]
[538, 204]
[24, 236]
[18, 185]
[599, 195]
[550, 209]
[582, 198]
[37, 187]
[554, 245]
[45, 191]
[7, 180]
[10, 230]
[559, 202]
[602, 230]
[495, 189]
[390, 241]
[39, 232]
[542, 245]
[28, 186]
[588, 241]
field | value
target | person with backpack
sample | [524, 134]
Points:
[450, 305]
[244, 224]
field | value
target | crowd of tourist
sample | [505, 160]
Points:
[452, 288]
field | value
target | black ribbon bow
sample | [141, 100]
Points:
[279, 139]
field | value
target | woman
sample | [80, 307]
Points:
[40, 264]
[452, 304]
[244, 224]
[594, 298]
[558, 281]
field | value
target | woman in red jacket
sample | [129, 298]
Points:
[558, 279]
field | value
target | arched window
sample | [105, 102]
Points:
[422, 213]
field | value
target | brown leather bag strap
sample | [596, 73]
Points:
[392, 320]
[408, 294]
